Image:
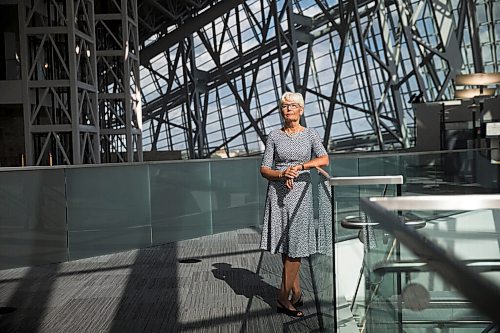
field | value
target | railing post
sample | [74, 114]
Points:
[398, 276]
[334, 259]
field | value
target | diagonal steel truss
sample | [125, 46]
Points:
[212, 71]
[210, 84]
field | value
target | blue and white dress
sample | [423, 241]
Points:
[288, 216]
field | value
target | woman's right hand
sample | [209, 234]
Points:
[290, 174]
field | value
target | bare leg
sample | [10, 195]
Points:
[296, 291]
[291, 268]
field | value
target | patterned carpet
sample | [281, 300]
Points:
[219, 283]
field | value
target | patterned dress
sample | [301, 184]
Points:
[288, 216]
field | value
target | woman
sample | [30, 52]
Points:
[288, 218]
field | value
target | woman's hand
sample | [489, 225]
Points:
[290, 174]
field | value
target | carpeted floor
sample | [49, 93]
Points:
[219, 283]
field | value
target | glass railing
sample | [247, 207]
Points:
[63, 213]
[345, 193]
[443, 274]
[459, 172]
[450, 172]
[57, 214]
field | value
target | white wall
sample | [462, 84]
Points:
[349, 260]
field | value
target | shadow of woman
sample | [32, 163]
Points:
[246, 283]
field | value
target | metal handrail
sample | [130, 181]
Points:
[409, 266]
[366, 180]
[483, 293]
[440, 202]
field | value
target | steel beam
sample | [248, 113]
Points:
[59, 81]
[120, 107]
[395, 53]
[189, 27]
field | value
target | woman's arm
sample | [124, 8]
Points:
[315, 162]
[271, 174]
[292, 172]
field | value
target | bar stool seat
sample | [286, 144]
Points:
[413, 221]
[357, 222]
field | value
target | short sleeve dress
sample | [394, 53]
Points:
[288, 216]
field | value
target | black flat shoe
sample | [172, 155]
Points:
[292, 313]
[299, 302]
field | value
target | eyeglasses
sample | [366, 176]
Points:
[291, 106]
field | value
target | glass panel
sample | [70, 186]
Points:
[372, 166]
[346, 204]
[403, 294]
[486, 172]
[458, 172]
[420, 172]
[108, 209]
[32, 218]
[180, 201]
[343, 166]
[382, 304]
[262, 190]
[235, 198]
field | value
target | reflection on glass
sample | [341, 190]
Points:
[235, 196]
[180, 201]
[108, 209]
[32, 218]
[403, 291]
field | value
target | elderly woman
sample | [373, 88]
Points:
[288, 228]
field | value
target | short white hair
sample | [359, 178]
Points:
[292, 96]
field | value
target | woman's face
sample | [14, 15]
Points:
[291, 110]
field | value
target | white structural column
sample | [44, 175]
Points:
[59, 82]
[119, 82]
